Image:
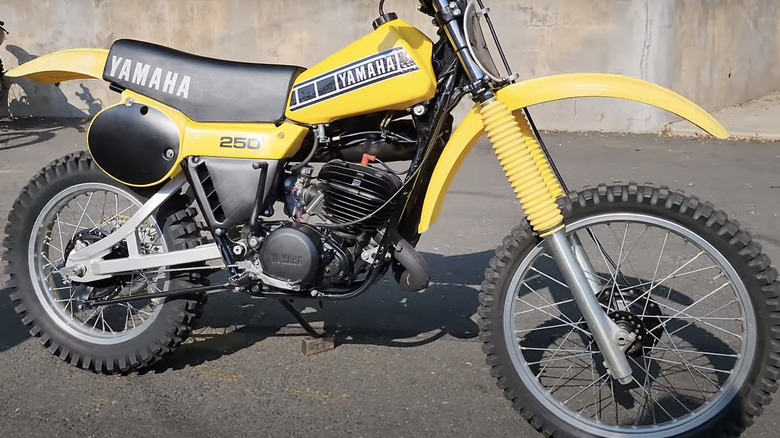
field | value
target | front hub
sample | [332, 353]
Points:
[637, 314]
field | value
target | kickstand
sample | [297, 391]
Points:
[317, 342]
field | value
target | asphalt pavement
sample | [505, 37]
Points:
[408, 364]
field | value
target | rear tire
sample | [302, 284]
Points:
[171, 324]
[522, 385]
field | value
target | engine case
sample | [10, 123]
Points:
[293, 253]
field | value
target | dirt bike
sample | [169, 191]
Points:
[620, 310]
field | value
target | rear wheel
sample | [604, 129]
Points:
[698, 293]
[71, 204]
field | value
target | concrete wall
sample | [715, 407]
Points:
[715, 52]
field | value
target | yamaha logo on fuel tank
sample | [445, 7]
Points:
[367, 71]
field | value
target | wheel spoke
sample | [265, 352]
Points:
[677, 353]
[650, 290]
[703, 353]
[687, 367]
[698, 367]
[682, 315]
[59, 231]
[555, 385]
[560, 283]
[544, 327]
[681, 312]
[607, 259]
[603, 376]
[649, 398]
[112, 218]
[622, 258]
[535, 308]
[566, 321]
[703, 316]
[83, 213]
[653, 380]
[660, 257]
[566, 357]
[535, 292]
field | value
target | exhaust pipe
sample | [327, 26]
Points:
[412, 274]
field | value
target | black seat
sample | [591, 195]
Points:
[205, 89]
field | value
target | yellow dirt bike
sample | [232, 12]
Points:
[620, 310]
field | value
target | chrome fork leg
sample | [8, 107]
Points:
[584, 261]
[610, 338]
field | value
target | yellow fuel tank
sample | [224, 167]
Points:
[388, 69]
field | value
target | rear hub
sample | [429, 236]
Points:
[100, 288]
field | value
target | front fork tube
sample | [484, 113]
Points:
[537, 188]
[610, 338]
[585, 265]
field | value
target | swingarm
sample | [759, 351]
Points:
[87, 264]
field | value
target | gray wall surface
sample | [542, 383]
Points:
[715, 52]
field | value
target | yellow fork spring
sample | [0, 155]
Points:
[525, 166]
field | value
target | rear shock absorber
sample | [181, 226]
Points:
[525, 165]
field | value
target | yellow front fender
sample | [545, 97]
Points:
[548, 89]
[65, 65]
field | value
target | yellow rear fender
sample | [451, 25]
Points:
[65, 65]
[547, 89]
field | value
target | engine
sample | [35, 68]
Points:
[357, 201]
[352, 192]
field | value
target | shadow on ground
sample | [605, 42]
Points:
[12, 332]
[20, 133]
[384, 315]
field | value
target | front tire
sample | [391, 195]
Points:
[708, 362]
[43, 227]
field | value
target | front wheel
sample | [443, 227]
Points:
[697, 292]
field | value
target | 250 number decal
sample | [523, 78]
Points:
[239, 142]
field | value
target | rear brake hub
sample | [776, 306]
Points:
[100, 288]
